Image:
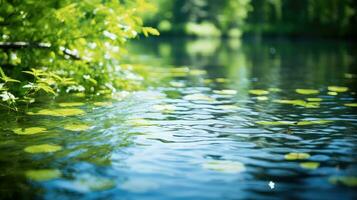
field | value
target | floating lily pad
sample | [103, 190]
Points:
[259, 92]
[61, 112]
[102, 103]
[297, 156]
[306, 91]
[332, 93]
[275, 123]
[71, 104]
[314, 99]
[197, 72]
[350, 181]
[76, 127]
[79, 94]
[312, 105]
[225, 92]
[198, 97]
[29, 131]
[337, 89]
[42, 148]
[295, 102]
[207, 81]
[165, 108]
[262, 98]
[274, 90]
[43, 174]
[309, 165]
[313, 122]
[221, 80]
[351, 104]
[225, 166]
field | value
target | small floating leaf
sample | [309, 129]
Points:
[275, 123]
[337, 89]
[225, 166]
[351, 104]
[350, 181]
[332, 93]
[259, 92]
[309, 165]
[306, 91]
[313, 122]
[198, 97]
[221, 80]
[70, 104]
[274, 90]
[292, 102]
[312, 105]
[43, 174]
[197, 72]
[102, 103]
[61, 112]
[262, 98]
[207, 81]
[29, 131]
[76, 127]
[314, 99]
[42, 148]
[225, 92]
[297, 156]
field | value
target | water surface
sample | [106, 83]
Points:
[198, 131]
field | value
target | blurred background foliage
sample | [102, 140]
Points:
[79, 46]
[332, 18]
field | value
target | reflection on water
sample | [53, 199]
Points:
[225, 123]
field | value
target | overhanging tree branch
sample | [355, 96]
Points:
[22, 45]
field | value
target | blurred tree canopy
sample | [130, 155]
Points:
[271, 17]
[336, 18]
[71, 45]
[199, 17]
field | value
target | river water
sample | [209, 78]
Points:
[220, 119]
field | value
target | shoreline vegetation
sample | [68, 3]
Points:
[59, 47]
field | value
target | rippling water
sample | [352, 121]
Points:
[200, 133]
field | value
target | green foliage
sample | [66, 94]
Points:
[62, 46]
[303, 17]
[200, 17]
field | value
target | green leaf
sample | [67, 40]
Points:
[351, 104]
[259, 92]
[350, 181]
[337, 89]
[43, 174]
[71, 104]
[310, 165]
[61, 112]
[150, 31]
[275, 123]
[42, 148]
[29, 131]
[76, 127]
[306, 91]
[297, 156]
